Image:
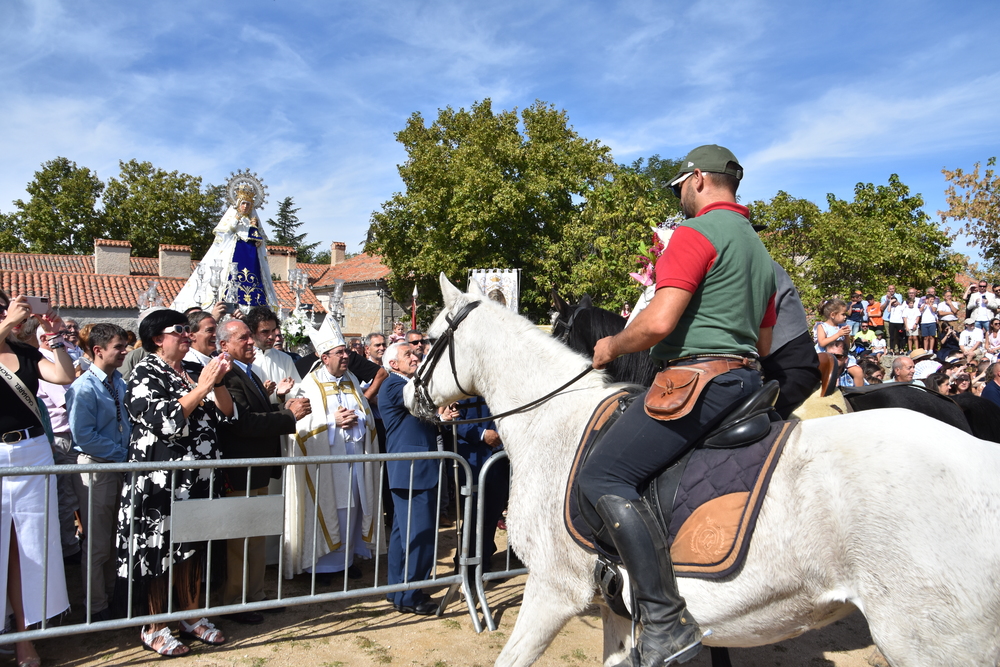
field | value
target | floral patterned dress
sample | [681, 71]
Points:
[160, 433]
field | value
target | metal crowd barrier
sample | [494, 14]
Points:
[234, 517]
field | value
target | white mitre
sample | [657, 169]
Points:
[327, 337]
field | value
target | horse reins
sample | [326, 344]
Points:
[446, 341]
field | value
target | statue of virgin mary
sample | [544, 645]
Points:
[235, 268]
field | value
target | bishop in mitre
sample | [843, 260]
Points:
[341, 423]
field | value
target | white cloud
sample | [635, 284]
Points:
[868, 121]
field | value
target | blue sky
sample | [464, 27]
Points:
[812, 97]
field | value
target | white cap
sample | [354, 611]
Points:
[327, 337]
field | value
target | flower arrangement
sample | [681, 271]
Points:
[647, 261]
[296, 327]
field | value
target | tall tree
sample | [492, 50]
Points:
[285, 226]
[61, 216]
[10, 237]
[480, 192]
[882, 236]
[975, 200]
[149, 206]
[598, 249]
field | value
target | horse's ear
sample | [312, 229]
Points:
[448, 291]
[586, 302]
[559, 303]
[475, 289]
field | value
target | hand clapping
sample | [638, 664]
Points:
[214, 371]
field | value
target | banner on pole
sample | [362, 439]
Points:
[500, 285]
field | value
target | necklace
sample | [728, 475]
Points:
[180, 374]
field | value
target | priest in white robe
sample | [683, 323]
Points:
[341, 423]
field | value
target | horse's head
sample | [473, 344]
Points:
[447, 373]
[565, 316]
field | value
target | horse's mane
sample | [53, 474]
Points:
[590, 324]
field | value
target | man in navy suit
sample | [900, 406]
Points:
[407, 434]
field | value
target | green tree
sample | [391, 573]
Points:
[61, 216]
[881, 237]
[600, 247]
[10, 239]
[285, 226]
[791, 232]
[482, 193]
[660, 171]
[149, 206]
[976, 201]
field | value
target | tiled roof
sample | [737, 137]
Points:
[113, 242]
[83, 290]
[280, 250]
[145, 266]
[175, 248]
[315, 271]
[286, 297]
[360, 268]
[71, 282]
[18, 261]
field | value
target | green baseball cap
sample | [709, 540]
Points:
[710, 158]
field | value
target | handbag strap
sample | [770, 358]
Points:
[22, 392]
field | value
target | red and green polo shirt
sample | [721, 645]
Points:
[719, 258]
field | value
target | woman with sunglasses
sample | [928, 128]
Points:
[174, 417]
[24, 530]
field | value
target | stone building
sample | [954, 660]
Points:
[368, 305]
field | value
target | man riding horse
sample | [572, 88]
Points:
[712, 313]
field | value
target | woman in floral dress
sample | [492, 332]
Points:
[174, 418]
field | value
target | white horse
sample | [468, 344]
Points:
[886, 511]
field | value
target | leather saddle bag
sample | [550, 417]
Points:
[676, 389]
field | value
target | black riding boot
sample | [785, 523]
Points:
[667, 627]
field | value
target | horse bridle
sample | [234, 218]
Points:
[564, 336]
[421, 380]
[444, 342]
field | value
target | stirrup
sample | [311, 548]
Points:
[688, 652]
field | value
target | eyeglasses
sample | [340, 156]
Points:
[676, 187]
[418, 342]
[177, 329]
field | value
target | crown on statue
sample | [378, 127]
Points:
[245, 192]
[245, 186]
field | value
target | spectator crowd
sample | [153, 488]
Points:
[206, 385]
[948, 342]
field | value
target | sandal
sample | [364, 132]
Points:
[204, 632]
[169, 646]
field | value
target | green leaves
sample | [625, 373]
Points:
[285, 226]
[881, 237]
[976, 200]
[61, 217]
[487, 189]
[144, 205]
[149, 206]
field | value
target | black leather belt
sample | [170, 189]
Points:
[702, 358]
[11, 437]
